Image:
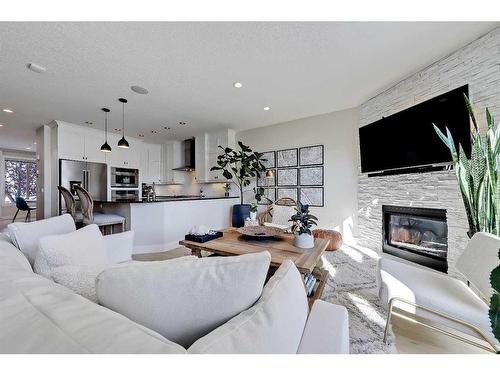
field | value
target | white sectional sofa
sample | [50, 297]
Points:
[38, 315]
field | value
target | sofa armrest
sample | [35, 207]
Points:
[119, 246]
[326, 330]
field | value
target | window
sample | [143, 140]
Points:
[20, 180]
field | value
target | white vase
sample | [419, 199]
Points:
[253, 216]
[304, 240]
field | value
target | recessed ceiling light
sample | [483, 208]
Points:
[37, 68]
[139, 90]
[7, 110]
[141, 135]
[167, 128]
[182, 123]
[238, 85]
[154, 131]
[267, 108]
[28, 148]
[89, 123]
[1, 125]
[34, 143]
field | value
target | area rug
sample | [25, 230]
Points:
[352, 283]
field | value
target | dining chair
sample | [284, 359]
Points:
[70, 204]
[102, 220]
[21, 205]
[278, 213]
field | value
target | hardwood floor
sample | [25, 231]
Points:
[413, 338]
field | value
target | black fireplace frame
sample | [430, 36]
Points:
[427, 260]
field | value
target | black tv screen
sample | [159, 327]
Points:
[407, 138]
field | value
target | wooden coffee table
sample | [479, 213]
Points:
[306, 260]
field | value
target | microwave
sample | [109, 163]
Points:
[124, 177]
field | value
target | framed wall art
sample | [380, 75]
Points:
[311, 176]
[313, 196]
[270, 157]
[288, 177]
[287, 193]
[265, 181]
[311, 155]
[269, 193]
[287, 158]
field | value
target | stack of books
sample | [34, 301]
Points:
[311, 284]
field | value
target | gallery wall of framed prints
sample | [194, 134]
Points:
[297, 173]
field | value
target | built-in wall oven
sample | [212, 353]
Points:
[124, 178]
[124, 195]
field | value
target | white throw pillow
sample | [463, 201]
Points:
[184, 298]
[80, 279]
[119, 246]
[281, 215]
[84, 247]
[27, 235]
[273, 325]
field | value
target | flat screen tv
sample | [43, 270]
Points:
[407, 139]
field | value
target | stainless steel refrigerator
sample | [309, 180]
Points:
[91, 176]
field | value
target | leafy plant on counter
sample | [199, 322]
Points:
[303, 220]
[240, 166]
[479, 181]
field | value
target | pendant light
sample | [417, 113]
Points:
[105, 147]
[122, 143]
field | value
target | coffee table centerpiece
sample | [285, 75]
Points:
[260, 232]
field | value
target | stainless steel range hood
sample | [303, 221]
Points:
[188, 147]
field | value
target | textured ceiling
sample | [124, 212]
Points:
[298, 69]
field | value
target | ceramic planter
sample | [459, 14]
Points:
[304, 240]
[240, 213]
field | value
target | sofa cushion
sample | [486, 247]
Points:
[119, 246]
[84, 247]
[80, 279]
[11, 259]
[273, 325]
[184, 298]
[27, 235]
[39, 316]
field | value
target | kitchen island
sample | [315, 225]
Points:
[160, 224]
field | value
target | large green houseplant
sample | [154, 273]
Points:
[479, 182]
[240, 167]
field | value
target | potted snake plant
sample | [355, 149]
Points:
[479, 182]
[302, 221]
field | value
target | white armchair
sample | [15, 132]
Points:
[444, 301]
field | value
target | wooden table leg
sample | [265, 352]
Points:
[196, 252]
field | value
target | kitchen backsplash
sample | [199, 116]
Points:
[192, 187]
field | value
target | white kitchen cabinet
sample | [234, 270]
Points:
[150, 160]
[171, 157]
[79, 144]
[207, 150]
[123, 157]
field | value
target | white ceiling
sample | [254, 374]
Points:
[298, 69]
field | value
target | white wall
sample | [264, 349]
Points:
[337, 131]
[478, 65]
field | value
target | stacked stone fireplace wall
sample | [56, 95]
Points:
[478, 65]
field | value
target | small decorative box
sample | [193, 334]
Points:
[202, 238]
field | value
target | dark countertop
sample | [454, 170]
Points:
[162, 199]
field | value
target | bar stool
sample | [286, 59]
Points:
[100, 219]
[70, 204]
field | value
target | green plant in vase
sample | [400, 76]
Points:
[479, 182]
[302, 221]
[241, 167]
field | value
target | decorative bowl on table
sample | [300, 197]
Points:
[260, 232]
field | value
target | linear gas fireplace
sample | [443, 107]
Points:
[416, 234]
